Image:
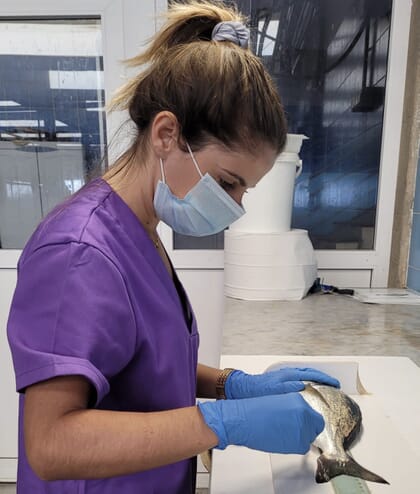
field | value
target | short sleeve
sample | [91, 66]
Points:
[70, 315]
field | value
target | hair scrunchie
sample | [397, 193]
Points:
[233, 31]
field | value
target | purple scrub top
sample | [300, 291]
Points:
[94, 298]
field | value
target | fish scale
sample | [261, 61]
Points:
[344, 484]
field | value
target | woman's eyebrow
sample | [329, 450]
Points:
[238, 178]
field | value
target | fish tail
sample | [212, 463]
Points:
[329, 468]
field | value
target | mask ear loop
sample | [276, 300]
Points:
[194, 161]
[162, 171]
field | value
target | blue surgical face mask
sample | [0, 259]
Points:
[205, 210]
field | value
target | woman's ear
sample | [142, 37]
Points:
[164, 133]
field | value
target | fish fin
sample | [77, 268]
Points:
[328, 468]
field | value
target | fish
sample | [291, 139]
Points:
[343, 422]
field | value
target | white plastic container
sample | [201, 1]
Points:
[269, 205]
[269, 266]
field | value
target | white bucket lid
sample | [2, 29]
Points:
[294, 142]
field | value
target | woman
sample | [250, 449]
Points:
[103, 337]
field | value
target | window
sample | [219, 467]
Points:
[329, 61]
[52, 121]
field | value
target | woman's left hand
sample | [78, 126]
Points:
[286, 380]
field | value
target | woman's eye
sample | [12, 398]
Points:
[226, 185]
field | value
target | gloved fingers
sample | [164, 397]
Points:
[312, 425]
[319, 423]
[236, 385]
[274, 386]
[283, 423]
[290, 424]
[310, 374]
[305, 374]
[240, 385]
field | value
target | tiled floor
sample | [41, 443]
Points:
[317, 325]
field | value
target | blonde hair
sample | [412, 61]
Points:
[217, 90]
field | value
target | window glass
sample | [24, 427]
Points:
[52, 124]
[328, 59]
[329, 62]
[186, 242]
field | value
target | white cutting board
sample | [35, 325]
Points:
[380, 448]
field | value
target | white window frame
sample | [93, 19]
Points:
[126, 25]
[122, 27]
[376, 260]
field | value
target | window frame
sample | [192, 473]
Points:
[376, 261]
[126, 25]
[121, 33]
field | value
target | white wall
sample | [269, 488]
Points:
[205, 289]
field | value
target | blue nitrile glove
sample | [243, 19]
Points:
[285, 380]
[275, 424]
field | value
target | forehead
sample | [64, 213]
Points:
[251, 167]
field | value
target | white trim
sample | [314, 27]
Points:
[160, 7]
[391, 138]
[346, 259]
[52, 8]
[214, 259]
[346, 278]
[8, 470]
[9, 258]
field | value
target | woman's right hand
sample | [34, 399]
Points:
[275, 423]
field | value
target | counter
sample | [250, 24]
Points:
[395, 382]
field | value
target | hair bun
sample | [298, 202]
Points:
[233, 31]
